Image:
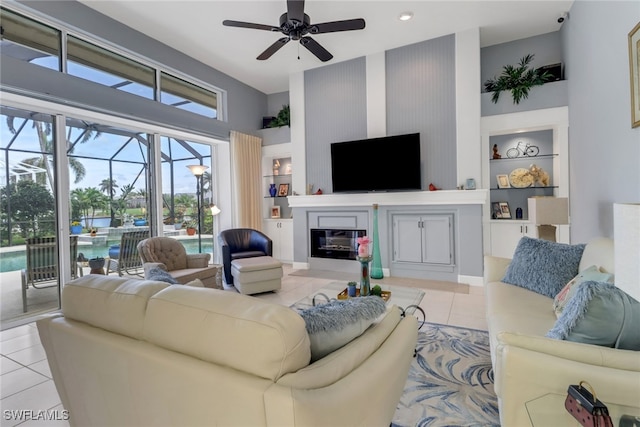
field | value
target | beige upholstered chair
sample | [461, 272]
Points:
[170, 255]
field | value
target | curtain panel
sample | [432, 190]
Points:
[246, 159]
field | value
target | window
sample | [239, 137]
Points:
[187, 96]
[102, 66]
[28, 40]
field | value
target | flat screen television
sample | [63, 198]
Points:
[391, 163]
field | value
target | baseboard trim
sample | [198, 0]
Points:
[471, 280]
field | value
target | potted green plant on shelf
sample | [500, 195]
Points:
[519, 80]
[282, 119]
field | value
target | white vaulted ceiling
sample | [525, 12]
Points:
[195, 28]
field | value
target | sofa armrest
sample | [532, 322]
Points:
[198, 260]
[495, 268]
[529, 367]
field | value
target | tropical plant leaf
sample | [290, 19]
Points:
[519, 80]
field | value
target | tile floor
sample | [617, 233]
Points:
[26, 384]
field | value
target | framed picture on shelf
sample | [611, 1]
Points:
[503, 181]
[275, 211]
[496, 213]
[504, 210]
[283, 190]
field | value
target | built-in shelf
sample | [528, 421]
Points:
[523, 157]
[526, 188]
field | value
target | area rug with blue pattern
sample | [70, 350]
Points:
[450, 380]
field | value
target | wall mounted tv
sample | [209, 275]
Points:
[390, 163]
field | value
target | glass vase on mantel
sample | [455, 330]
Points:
[365, 281]
[376, 265]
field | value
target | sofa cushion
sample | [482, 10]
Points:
[117, 304]
[332, 325]
[591, 273]
[543, 266]
[244, 333]
[601, 314]
[160, 275]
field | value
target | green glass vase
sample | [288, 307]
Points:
[376, 264]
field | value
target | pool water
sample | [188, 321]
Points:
[15, 261]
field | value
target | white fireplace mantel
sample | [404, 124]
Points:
[409, 198]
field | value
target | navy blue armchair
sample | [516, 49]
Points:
[239, 243]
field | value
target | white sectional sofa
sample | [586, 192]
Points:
[129, 352]
[528, 366]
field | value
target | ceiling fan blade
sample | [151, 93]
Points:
[315, 48]
[332, 27]
[250, 25]
[295, 10]
[273, 48]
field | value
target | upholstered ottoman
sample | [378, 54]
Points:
[256, 274]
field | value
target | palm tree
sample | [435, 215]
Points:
[88, 200]
[108, 186]
[45, 161]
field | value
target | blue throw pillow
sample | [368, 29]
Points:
[542, 266]
[332, 325]
[158, 274]
[602, 314]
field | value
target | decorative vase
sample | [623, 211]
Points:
[272, 190]
[114, 251]
[97, 265]
[376, 265]
[365, 281]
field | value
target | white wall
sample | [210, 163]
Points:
[604, 149]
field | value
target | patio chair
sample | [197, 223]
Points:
[42, 264]
[128, 260]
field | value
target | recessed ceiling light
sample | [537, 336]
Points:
[405, 16]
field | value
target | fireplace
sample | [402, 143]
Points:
[335, 243]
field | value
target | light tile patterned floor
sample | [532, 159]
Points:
[26, 384]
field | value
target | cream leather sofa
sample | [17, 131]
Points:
[527, 365]
[128, 352]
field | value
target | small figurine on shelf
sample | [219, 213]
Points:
[432, 187]
[496, 155]
[539, 175]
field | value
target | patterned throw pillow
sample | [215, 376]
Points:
[542, 266]
[592, 273]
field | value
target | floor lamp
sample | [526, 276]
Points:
[198, 171]
[546, 213]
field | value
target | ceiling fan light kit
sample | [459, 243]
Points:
[296, 25]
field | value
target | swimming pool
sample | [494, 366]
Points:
[17, 260]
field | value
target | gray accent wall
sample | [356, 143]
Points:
[604, 149]
[335, 111]
[245, 106]
[421, 95]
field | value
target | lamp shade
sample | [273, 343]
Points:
[197, 170]
[548, 210]
[626, 236]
